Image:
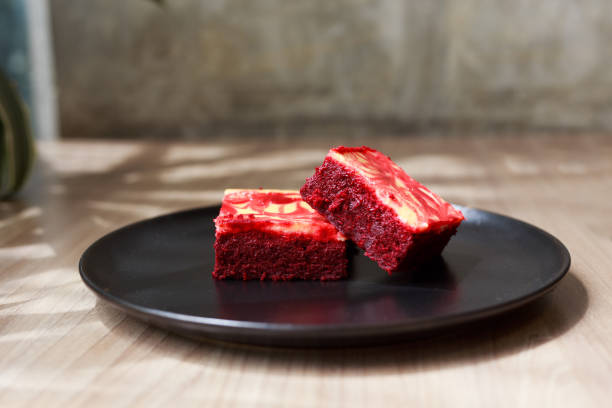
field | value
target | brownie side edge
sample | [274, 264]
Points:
[265, 255]
[342, 196]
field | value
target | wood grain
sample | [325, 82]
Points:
[59, 346]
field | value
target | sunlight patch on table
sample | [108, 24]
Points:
[183, 153]
[270, 162]
[144, 210]
[68, 386]
[25, 214]
[76, 157]
[9, 338]
[41, 285]
[176, 195]
[574, 168]
[32, 251]
[439, 166]
[101, 222]
[462, 193]
[38, 231]
[521, 166]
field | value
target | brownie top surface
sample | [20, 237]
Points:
[414, 204]
[274, 210]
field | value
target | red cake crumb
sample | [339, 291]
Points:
[275, 235]
[372, 201]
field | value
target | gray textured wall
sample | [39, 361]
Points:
[130, 68]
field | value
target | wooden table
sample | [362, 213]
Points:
[59, 346]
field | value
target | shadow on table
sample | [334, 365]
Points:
[525, 328]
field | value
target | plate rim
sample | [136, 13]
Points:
[214, 325]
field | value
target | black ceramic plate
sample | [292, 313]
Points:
[159, 270]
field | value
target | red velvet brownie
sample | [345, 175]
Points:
[372, 201]
[273, 234]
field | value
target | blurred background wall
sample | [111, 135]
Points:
[194, 68]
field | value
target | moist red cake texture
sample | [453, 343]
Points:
[397, 221]
[275, 235]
